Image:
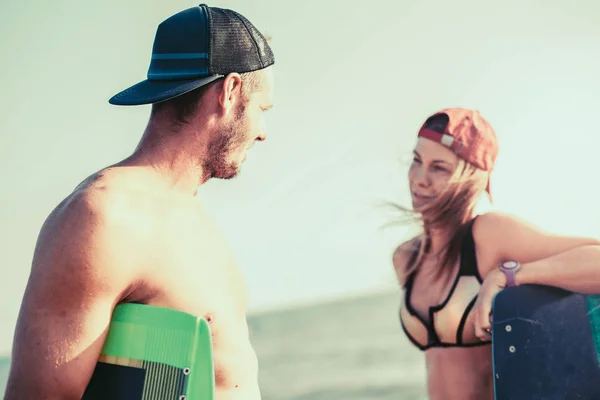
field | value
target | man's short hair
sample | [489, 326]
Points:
[184, 106]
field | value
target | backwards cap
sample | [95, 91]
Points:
[468, 135]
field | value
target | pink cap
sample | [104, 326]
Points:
[469, 135]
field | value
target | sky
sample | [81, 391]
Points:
[352, 86]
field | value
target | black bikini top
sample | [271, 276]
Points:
[442, 330]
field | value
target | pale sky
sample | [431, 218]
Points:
[353, 85]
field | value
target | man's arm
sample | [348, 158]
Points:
[75, 282]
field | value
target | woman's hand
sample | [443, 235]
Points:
[494, 282]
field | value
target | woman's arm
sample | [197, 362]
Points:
[547, 256]
[577, 270]
[571, 263]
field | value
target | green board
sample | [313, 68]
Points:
[593, 310]
[154, 353]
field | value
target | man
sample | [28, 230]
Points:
[134, 232]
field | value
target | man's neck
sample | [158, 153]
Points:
[169, 157]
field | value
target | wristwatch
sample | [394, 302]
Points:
[510, 268]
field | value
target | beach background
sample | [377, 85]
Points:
[350, 349]
[353, 83]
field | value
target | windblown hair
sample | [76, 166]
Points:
[451, 211]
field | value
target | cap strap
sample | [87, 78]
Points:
[443, 138]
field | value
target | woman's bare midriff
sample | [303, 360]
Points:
[460, 373]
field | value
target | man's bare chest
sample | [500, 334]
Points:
[194, 271]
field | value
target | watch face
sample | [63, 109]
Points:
[510, 264]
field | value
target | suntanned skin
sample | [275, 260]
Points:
[452, 372]
[466, 372]
[569, 262]
[135, 232]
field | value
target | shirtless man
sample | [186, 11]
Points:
[134, 231]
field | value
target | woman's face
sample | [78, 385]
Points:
[430, 171]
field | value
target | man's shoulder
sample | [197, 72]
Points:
[88, 207]
[94, 217]
[102, 203]
[79, 247]
[113, 213]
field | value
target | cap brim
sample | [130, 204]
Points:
[148, 92]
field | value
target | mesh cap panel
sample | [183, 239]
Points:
[195, 47]
[236, 45]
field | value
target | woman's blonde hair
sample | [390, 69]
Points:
[451, 211]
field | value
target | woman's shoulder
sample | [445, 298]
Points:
[503, 236]
[493, 225]
[498, 236]
[402, 254]
[408, 247]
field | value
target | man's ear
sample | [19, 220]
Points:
[231, 92]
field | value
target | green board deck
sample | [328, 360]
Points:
[154, 353]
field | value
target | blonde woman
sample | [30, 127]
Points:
[451, 272]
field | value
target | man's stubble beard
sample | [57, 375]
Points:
[231, 137]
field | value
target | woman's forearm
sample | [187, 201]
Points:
[577, 270]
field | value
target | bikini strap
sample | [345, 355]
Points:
[468, 257]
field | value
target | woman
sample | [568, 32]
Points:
[451, 272]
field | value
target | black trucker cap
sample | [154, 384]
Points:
[195, 47]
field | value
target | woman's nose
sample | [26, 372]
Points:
[421, 177]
